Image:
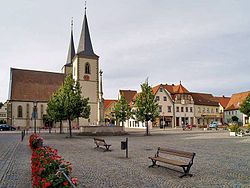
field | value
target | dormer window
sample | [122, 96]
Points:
[87, 68]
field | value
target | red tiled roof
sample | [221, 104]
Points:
[128, 94]
[222, 100]
[30, 85]
[236, 100]
[204, 99]
[172, 89]
[108, 102]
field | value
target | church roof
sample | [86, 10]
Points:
[71, 50]
[30, 85]
[85, 45]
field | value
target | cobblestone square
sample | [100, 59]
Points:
[220, 161]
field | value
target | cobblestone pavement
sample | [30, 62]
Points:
[14, 161]
[221, 161]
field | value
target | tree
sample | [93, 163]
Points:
[245, 106]
[55, 109]
[146, 106]
[2, 121]
[68, 104]
[122, 110]
[74, 105]
[235, 118]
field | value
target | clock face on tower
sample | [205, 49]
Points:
[86, 77]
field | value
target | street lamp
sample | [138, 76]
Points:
[34, 114]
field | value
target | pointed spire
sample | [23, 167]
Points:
[71, 51]
[85, 45]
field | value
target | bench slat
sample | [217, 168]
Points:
[176, 152]
[170, 161]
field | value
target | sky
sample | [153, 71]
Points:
[203, 43]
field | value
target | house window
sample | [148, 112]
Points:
[229, 113]
[212, 110]
[169, 108]
[165, 98]
[177, 109]
[87, 68]
[160, 108]
[182, 109]
[20, 111]
[160, 89]
[199, 109]
[235, 112]
[199, 121]
[157, 98]
[27, 110]
[41, 110]
[186, 109]
[207, 110]
[204, 109]
[217, 110]
[191, 109]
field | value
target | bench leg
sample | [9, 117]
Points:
[154, 163]
[186, 172]
[107, 148]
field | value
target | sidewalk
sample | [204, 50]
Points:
[15, 162]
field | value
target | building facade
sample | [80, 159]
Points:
[233, 106]
[3, 113]
[206, 109]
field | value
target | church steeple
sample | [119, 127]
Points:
[85, 45]
[71, 51]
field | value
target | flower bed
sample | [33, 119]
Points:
[45, 164]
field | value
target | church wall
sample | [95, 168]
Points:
[26, 121]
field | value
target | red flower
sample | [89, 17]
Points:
[74, 180]
[65, 183]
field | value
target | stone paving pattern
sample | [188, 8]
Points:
[14, 161]
[221, 161]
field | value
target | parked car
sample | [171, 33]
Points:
[213, 125]
[187, 127]
[5, 127]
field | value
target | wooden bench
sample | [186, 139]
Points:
[168, 156]
[101, 142]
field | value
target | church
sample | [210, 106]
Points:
[30, 90]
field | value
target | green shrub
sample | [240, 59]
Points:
[234, 128]
[248, 127]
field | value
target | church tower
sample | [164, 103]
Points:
[86, 71]
[67, 68]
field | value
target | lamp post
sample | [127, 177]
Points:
[34, 114]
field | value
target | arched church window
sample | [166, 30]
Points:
[87, 68]
[20, 111]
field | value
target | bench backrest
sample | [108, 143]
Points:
[99, 141]
[176, 152]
